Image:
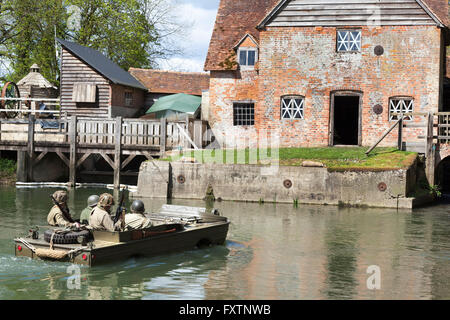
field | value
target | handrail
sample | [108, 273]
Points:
[384, 135]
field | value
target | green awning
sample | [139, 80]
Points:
[179, 102]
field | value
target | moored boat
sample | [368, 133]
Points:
[174, 228]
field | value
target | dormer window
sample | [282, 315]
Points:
[247, 57]
[247, 52]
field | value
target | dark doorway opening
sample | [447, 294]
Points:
[446, 106]
[443, 175]
[346, 120]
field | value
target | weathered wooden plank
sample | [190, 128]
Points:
[40, 157]
[117, 152]
[31, 150]
[73, 151]
[163, 137]
[128, 160]
[107, 159]
[350, 13]
[82, 159]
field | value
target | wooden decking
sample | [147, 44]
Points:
[75, 139]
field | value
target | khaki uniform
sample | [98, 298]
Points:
[101, 220]
[56, 218]
[135, 221]
[86, 214]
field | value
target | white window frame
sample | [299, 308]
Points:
[247, 49]
[347, 41]
[291, 108]
[401, 105]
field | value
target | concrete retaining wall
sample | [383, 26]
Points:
[257, 183]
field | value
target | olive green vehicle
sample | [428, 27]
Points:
[174, 228]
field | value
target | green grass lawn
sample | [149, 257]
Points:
[336, 158]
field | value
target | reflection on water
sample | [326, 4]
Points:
[272, 252]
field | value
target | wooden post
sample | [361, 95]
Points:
[163, 136]
[400, 134]
[187, 144]
[117, 152]
[198, 133]
[31, 122]
[430, 151]
[22, 166]
[73, 151]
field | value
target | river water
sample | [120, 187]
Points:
[272, 252]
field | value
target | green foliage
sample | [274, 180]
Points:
[34, 42]
[119, 29]
[128, 32]
[7, 167]
[435, 190]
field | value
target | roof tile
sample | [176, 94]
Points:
[158, 81]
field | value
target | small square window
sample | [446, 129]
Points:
[243, 114]
[128, 98]
[349, 40]
[247, 57]
[400, 105]
[292, 107]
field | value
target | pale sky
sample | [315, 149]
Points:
[201, 14]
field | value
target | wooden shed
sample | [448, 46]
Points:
[36, 86]
[94, 86]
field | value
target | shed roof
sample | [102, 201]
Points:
[158, 81]
[35, 79]
[102, 65]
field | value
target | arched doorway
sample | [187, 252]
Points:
[443, 175]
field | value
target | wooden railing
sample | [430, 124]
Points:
[89, 131]
[443, 134]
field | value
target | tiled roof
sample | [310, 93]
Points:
[439, 8]
[158, 81]
[235, 18]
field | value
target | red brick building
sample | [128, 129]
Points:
[328, 73]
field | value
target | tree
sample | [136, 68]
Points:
[34, 39]
[129, 32]
[7, 31]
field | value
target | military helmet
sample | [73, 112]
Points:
[92, 200]
[137, 206]
[105, 200]
[60, 196]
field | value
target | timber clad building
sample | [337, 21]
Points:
[322, 72]
[94, 86]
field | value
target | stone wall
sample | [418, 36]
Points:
[286, 184]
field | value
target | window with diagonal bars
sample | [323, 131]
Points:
[400, 106]
[349, 40]
[292, 107]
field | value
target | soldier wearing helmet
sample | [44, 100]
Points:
[56, 216]
[91, 204]
[136, 219]
[100, 218]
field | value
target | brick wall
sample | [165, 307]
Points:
[304, 61]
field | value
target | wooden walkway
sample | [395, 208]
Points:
[117, 140]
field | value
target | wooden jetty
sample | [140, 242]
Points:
[76, 138]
